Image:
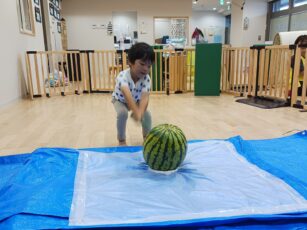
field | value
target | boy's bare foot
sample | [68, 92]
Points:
[122, 143]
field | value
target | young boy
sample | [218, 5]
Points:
[132, 89]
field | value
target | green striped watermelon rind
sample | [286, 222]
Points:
[161, 137]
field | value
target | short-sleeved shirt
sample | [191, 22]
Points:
[124, 79]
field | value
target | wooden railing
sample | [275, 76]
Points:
[296, 99]
[259, 71]
[56, 73]
[265, 72]
[66, 72]
[235, 72]
[273, 72]
[104, 67]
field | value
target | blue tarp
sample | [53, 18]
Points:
[284, 157]
[42, 185]
[36, 189]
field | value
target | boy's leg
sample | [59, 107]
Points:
[146, 123]
[122, 116]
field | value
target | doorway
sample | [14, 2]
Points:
[171, 30]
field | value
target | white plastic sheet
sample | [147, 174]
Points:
[214, 181]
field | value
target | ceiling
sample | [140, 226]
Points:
[212, 5]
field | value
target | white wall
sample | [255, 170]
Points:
[124, 23]
[208, 19]
[256, 11]
[80, 15]
[13, 46]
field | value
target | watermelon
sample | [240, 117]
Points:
[165, 147]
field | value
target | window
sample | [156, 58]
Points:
[298, 21]
[279, 24]
[25, 15]
[286, 15]
[280, 5]
[299, 2]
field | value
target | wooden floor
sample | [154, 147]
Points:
[80, 121]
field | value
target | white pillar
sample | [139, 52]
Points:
[236, 23]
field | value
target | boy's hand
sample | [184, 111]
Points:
[136, 116]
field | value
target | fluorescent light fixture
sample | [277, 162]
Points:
[214, 8]
[228, 2]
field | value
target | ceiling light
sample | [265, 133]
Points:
[195, 1]
[221, 2]
[228, 2]
[214, 8]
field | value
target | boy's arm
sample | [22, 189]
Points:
[145, 95]
[144, 102]
[131, 103]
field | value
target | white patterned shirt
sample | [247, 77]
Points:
[136, 89]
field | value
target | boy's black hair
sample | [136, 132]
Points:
[302, 39]
[141, 51]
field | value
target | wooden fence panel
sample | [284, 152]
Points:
[235, 70]
[54, 73]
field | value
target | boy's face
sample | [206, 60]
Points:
[140, 68]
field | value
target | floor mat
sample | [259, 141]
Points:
[263, 103]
